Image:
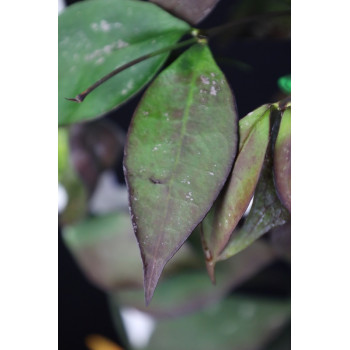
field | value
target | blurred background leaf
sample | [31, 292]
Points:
[189, 290]
[238, 322]
[284, 83]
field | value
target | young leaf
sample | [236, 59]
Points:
[233, 201]
[267, 212]
[180, 148]
[97, 36]
[282, 160]
[191, 11]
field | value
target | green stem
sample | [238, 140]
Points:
[80, 98]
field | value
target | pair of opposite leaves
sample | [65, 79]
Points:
[181, 145]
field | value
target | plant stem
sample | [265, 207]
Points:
[80, 98]
[257, 18]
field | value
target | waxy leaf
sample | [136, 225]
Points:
[189, 290]
[267, 212]
[191, 11]
[181, 145]
[235, 323]
[282, 160]
[233, 201]
[97, 36]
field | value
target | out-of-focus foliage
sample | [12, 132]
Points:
[189, 290]
[77, 195]
[284, 84]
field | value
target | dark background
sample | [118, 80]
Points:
[252, 63]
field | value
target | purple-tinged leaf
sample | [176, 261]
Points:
[267, 212]
[191, 11]
[233, 201]
[180, 148]
[282, 160]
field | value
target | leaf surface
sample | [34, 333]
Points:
[282, 160]
[191, 11]
[233, 201]
[180, 148]
[97, 36]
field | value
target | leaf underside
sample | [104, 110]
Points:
[180, 148]
[233, 201]
[97, 36]
[282, 160]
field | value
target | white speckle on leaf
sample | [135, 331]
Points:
[121, 44]
[124, 91]
[211, 173]
[213, 91]
[204, 80]
[100, 61]
[105, 26]
[94, 26]
[130, 84]
[212, 74]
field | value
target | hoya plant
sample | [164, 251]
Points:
[203, 185]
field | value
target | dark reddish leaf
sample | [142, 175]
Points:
[181, 145]
[282, 160]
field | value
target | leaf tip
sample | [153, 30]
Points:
[211, 271]
[152, 272]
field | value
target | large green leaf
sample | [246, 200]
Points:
[233, 201]
[239, 323]
[192, 11]
[282, 160]
[95, 37]
[181, 145]
[189, 290]
[267, 212]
